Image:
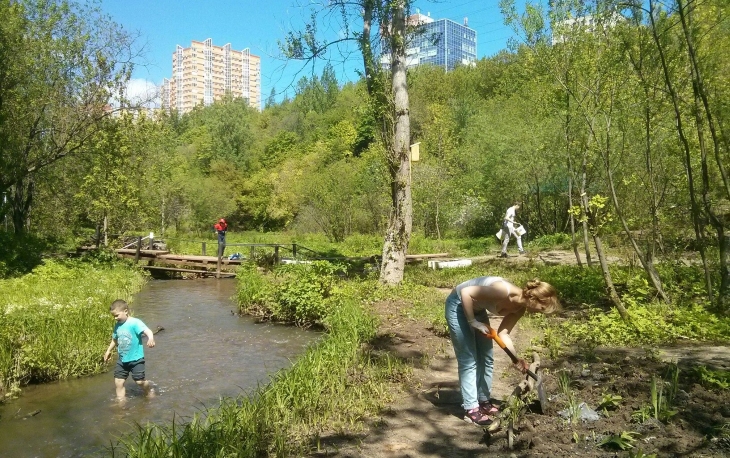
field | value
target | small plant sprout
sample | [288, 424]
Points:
[640, 454]
[609, 402]
[623, 441]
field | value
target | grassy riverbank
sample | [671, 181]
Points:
[333, 386]
[55, 320]
[342, 380]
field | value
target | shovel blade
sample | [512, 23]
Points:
[541, 394]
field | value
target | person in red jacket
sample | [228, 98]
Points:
[221, 227]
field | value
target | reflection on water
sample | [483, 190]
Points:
[204, 352]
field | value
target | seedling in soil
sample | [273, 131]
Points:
[609, 402]
[624, 441]
[573, 406]
[640, 454]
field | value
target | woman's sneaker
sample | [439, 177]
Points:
[476, 416]
[488, 408]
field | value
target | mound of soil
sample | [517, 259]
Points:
[426, 420]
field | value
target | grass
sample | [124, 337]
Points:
[56, 321]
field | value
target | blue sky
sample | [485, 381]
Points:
[259, 25]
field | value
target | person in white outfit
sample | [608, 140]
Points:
[508, 230]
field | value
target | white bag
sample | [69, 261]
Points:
[499, 234]
[520, 230]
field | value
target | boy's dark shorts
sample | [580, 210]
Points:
[122, 370]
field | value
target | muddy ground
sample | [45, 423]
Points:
[426, 419]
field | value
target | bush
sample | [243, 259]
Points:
[558, 241]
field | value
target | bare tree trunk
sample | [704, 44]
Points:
[584, 204]
[21, 204]
[398, 233]
[574, 242]
[646, 261]
[700, 95]
[696, 218]
[612, 294]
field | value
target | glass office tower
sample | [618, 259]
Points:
[441, 42]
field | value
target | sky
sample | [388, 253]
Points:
[260, 25]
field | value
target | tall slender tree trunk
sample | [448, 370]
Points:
[696, 217]
[574, 241]
[398, 232]
[584, 204]
[22, 199]
[646, 261]
[702, 105]
[610, 288]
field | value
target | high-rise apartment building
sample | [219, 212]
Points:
[441, 42]
[204, 72]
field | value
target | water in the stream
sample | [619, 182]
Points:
[203, 353]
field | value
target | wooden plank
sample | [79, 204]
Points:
[177, 269]
[177, 262]
[197, 258]
[142, 252]
[427, 256]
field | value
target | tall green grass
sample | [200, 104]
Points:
[335, 384]
[55, 322]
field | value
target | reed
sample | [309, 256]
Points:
[55, 321]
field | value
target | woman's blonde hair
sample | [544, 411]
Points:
[542, 293]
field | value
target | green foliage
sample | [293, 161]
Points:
[662, 397]
[56, 320]
[304, 294]
[609, 402]
[574, 284]
[623, 441]
[552, 340]
[254, 291]
[20, 254]
[650, 324]
[712, 378]
[559, 240]
[565, 384]
[304, 291]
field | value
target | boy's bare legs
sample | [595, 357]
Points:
[146, 386]
[121, 392]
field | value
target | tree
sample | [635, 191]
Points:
[388, 92]
[64, 66]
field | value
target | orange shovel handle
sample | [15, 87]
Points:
[494, 336]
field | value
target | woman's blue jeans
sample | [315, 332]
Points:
[474, 354]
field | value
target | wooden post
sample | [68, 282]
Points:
[152, 240]
[203, 248]
[253, 253]
[294, 250]
[276, 254]
[139, 247]
[218, 270]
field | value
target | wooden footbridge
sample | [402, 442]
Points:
[220, 267]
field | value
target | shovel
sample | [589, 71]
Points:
[541, 395]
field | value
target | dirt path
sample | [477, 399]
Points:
[426, 420]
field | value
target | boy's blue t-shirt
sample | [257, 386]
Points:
[129, 339]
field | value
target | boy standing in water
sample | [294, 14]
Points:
[127, 337]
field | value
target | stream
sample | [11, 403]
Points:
[204, 352]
